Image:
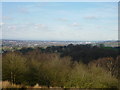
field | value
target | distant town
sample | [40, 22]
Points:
[11, 45]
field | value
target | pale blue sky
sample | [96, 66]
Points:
[60, 20]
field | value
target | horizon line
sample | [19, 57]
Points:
[54, 40]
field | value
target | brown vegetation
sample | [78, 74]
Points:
[50, 70]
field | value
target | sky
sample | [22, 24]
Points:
[76, 21]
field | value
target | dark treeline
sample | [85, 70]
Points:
[79, 66]
[84, 53]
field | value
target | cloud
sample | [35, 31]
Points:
[63, 19]
[7, 18]
[1, 23]
[47, 4]
[13, 27]
[90, 17]
[24, 10]
[40, 26]
[75, 24]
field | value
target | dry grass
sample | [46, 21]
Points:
[7, 84]
[0, 84]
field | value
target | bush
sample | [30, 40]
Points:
[14, 67]
[51, 70]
